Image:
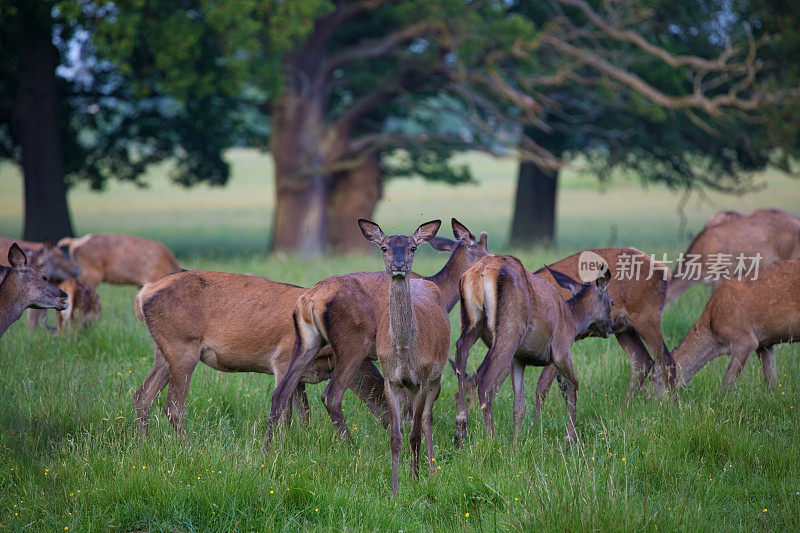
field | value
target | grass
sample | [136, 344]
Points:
[69, 457]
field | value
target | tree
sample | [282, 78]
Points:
[710, 135]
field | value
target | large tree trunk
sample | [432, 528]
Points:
[534, 220]
[301, 193]
[36, 120]
[354, 194]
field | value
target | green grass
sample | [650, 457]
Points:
[69, 456]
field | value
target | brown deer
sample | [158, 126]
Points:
[47, 259]
[119, 258]
[771, 234]
[232, 323]
[412, 341]
[524, 321]
[345, 311]
[742, 317]
[22, 286]
[638, 287]
[83, 305]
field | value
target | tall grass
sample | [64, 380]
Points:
[69, 457]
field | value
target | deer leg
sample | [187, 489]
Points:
[427, 423]
[394, 400]
[739, 356]
[153, 384]
[344, 375]
[369, 387]
[491, 374]
[641, 362]
[180, 374]
[300, 403]
[303, 354]
[569, 386]
[545, 380]
[518, 383]
[468, 338]
[649, 330]
[766, 354]
[417, 399]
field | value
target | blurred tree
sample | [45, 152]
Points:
[679, 93]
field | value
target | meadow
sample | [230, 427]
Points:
[70, 459]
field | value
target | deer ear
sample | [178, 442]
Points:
[603, 281]
[483, 241]
[427, 231]
[443, 244]
[16, 257]
[371, 231]
[461, 232]
[565, 281]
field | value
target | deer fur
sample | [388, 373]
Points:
[524, 321]
[638, 304]
[23, 286]
[119, 258]
[772, 233]
[742, 317]
[232, 323]
[345, 312]
[83, 305]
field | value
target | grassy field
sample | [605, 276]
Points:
[70, 461]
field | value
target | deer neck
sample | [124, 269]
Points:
[11, 308]
[401, 313]
[581, 317]
[448, 278]
[694, 352]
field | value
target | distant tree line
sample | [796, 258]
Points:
[347, 93]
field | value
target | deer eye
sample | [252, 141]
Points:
[384, 248]
[413, 248]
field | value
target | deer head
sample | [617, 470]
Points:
[54, 265]
[398, 250]
[590, 302]
[30, 285]
[475, 248]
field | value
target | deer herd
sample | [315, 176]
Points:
[337, 329]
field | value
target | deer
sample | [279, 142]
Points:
[120, 259]
[525, 322]
[232, 323]
[769, 234]
[83, 305]
[343, 312]
[49, 260]
[638, 289]
[412, 337]
[722, 217]
[23, 286]
[742, 317]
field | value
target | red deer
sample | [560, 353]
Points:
[714, 254]
[83, 305]
[119, 258]
[232, 323]
[742, 317]
[412, 341]
[22, 286]
[638, 287]
[524, 321]
[48, 260]
[722, 217]
[345, 311]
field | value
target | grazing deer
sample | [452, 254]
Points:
[232, 323]
[742, 317]
[44, 257]
[638, 304]
[771, 234]
[723, 217]
[83, 305]
[524, 321]
[119, 258]
[22, 286]
[345, 311]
